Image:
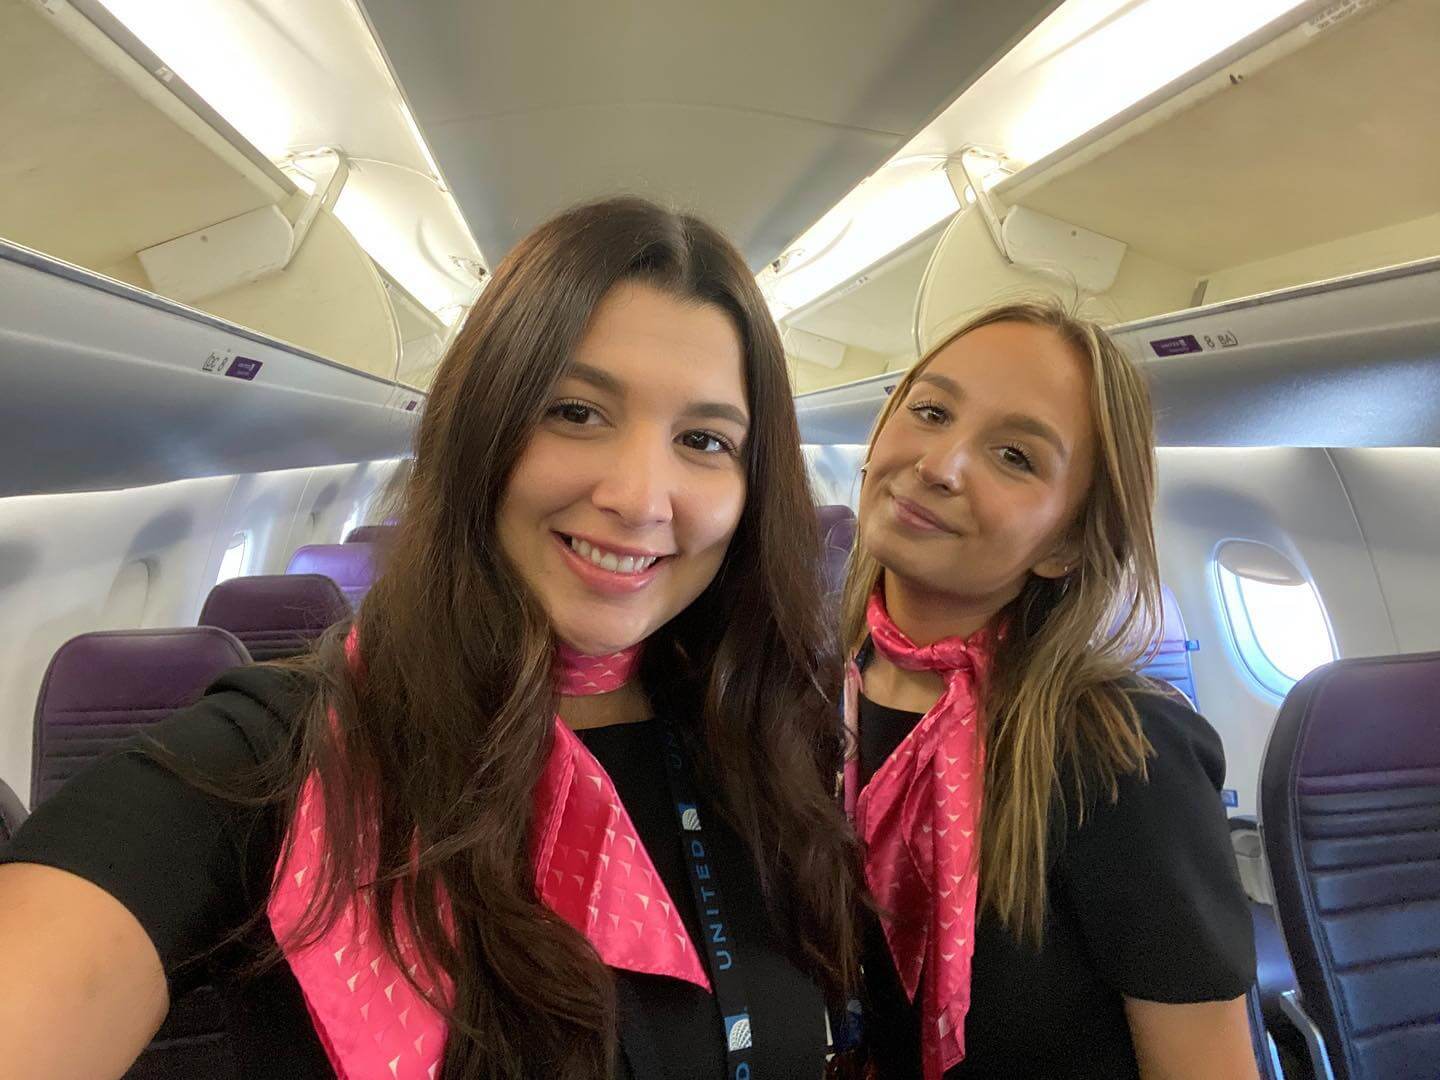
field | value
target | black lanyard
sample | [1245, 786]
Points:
[715, 930]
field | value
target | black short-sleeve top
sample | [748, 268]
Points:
[1144, 901]
[193, 869]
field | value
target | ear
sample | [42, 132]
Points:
[1061, 561]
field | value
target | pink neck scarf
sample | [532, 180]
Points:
[919, 819]
[590, 868]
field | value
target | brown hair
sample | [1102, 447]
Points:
[1057, 700]
[429, 764]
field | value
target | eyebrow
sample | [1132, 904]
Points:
[1018, 421]
[604, 381]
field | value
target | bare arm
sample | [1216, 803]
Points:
[1208, 1040]
[84, 989]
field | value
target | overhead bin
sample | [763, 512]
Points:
[1350, 362]
[130, 175]
[111, 359]
[1302, 159]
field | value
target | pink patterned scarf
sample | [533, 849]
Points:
[590, 868]
[919, 819]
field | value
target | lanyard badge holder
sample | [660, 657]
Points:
[715, 929]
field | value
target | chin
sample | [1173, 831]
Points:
[601, 637]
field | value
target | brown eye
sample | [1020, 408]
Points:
[572, 412]
[707, 442]
[1015, 456]
[929, 412]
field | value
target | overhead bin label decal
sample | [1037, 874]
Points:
[216, 361]
[242, 367]
[1176, 346]
[1191, 343]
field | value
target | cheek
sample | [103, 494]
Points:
[1022, 519]
[894, 448]
[708, 512]
[547, 478]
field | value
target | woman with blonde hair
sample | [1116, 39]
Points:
[1042, 827]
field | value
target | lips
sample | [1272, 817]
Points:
[608, 570]
[917, 517]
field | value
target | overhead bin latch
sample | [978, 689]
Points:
[241, 249]
[1034, 241]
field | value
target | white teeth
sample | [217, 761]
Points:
[606, 560]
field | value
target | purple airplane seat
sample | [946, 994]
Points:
[104, 686]
[1350, 818]
[276, 615]
[350, 566]
[100, 689]
[837, 536]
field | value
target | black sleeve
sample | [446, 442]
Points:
[1152, 876]
[189, 865]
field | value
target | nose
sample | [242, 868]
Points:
[943, 467]
[637, 479]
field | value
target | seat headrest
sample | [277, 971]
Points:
[1325, 710]
[103, 686]
[276, 615]
[369, 534]
[351, 566]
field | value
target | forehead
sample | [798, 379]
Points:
[1017, 368]
[650, 340]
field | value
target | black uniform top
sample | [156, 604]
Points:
[192, 868]
[1144, 901]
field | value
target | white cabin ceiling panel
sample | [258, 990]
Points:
[758, 116]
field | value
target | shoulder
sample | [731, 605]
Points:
[1179, 783]
[245, 717]
[1182, 742]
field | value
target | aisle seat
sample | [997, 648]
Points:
[1350, 817]
[276, 616]
[350, 566]
[104, 686]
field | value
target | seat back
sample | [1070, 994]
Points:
[276, 615]
[102, 687]
[12, 812]
[1171, 662]
[350, 566]
[1350, 817]
[837, 537]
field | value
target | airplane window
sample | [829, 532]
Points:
[1276, 620]
[233, 564]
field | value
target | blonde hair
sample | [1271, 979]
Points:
[1057, 700]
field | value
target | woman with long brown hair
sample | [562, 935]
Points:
[1042, 829]
[555, 804]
